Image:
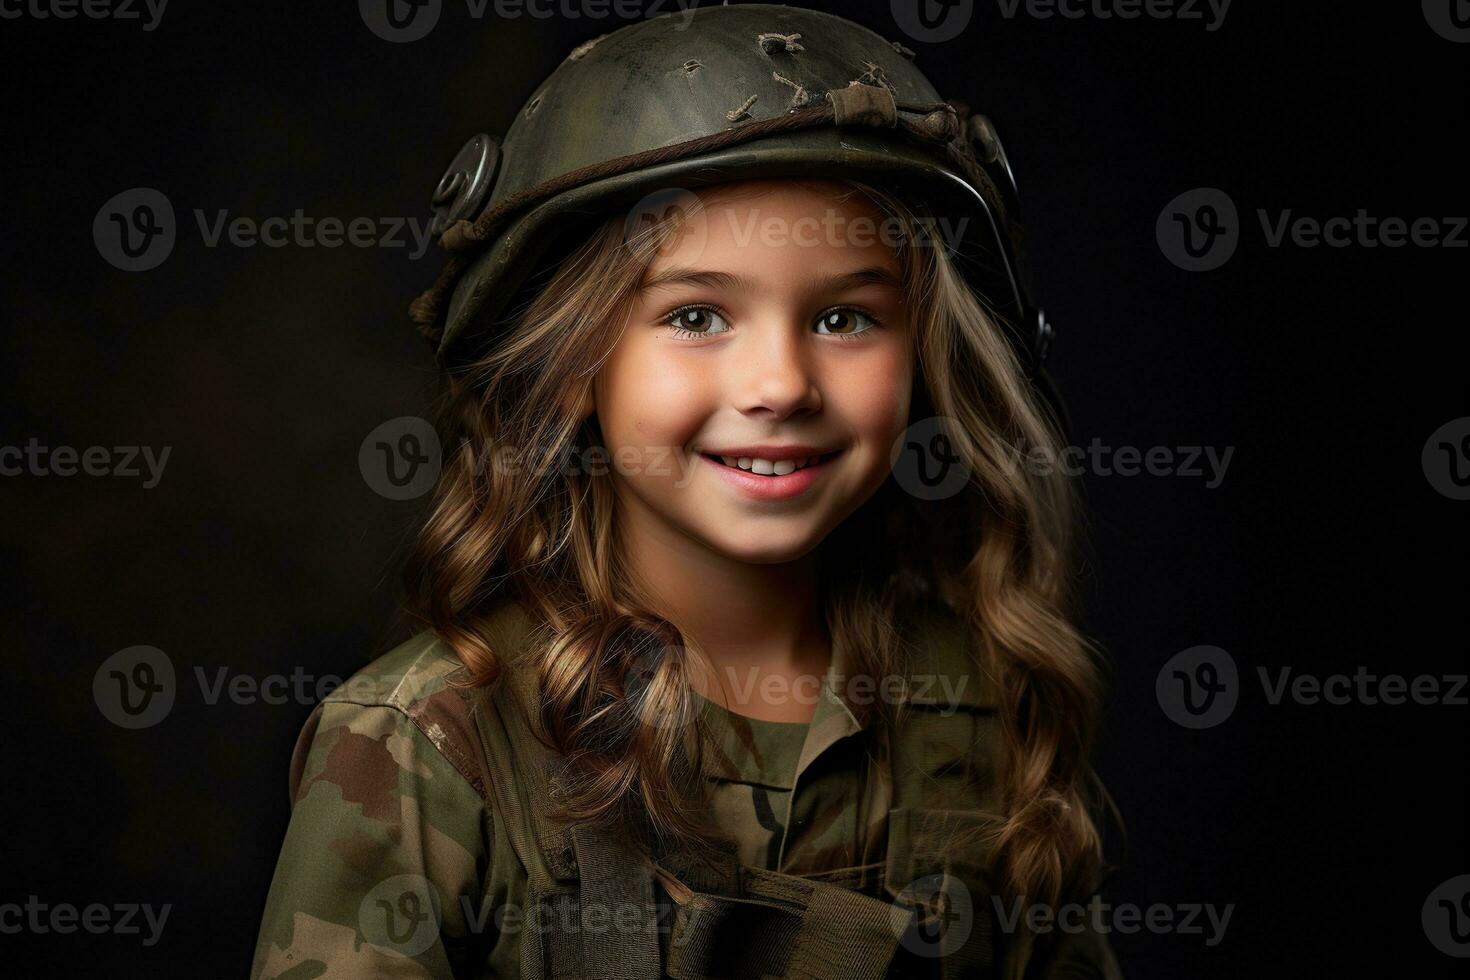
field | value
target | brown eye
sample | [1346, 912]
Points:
[845, 322]
[696, 321]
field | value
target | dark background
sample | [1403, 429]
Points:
[264, 551]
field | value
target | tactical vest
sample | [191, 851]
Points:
[597, 907]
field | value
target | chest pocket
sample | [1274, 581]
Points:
[947, 759]
[938, 872]
[945, 747]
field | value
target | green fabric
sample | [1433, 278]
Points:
[753, 775]
[396, 862]
[386, 866]
[835, 817]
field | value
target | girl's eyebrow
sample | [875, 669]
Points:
[684, 276]
[734, 282]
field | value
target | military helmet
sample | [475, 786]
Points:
[712, 94]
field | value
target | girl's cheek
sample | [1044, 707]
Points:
[659, 398]
[876, 391]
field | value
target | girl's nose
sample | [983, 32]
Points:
[775, 373]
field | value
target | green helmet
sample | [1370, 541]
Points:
[708, 95]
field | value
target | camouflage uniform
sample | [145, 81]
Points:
[416, 849]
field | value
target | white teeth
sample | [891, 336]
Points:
[767, 467]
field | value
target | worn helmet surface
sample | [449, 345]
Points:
[707, 95]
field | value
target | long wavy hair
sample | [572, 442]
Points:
[516, 512]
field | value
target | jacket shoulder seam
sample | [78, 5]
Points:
[435, 736]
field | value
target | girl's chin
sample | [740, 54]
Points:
[743, 539]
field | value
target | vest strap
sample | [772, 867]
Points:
[782, 926]
[618, 916]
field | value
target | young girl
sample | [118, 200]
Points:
[748, 648]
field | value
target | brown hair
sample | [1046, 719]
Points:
[509, 514]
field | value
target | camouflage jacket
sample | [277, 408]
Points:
[410, 851]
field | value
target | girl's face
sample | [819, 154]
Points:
[771, 330]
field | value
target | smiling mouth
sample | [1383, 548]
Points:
[764, 467]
